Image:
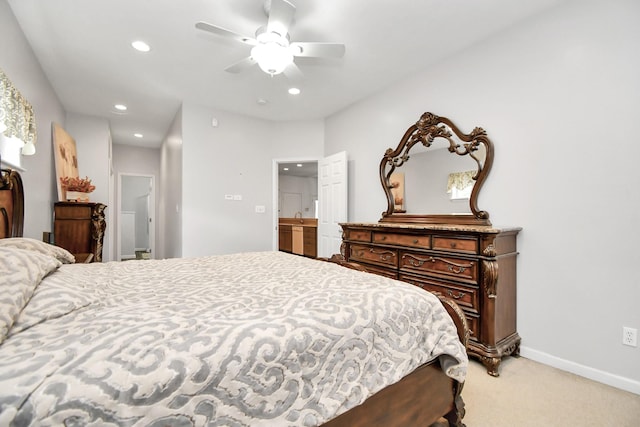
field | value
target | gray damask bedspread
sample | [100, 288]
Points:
[260, 339]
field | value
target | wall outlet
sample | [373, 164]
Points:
[630, 336]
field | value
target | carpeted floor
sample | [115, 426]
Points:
[528, 393]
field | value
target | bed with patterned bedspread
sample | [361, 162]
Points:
[251, 339]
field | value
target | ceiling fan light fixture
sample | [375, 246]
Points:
[272, 53]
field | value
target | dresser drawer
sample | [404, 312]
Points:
[456, 244]
[473, 322]
[410, 240]
[368, 254]
[458, 268]
[73, 212]
[359, 235]
[381, 271]
[465, 296]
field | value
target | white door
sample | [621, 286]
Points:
[332, 198]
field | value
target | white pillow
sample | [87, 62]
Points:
[26, 243]
[20, 273]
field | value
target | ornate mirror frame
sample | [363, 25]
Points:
[425, 131]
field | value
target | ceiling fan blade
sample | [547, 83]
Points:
[225, 33]
[280, 16]
[241, 65]
[293, 72]
[318, 50]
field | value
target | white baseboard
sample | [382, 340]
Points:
[584, 371]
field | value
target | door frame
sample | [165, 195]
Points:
[152, 213]
[275, 186]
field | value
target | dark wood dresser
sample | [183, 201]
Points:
[453, 249]
[79, 228]
[474, 265]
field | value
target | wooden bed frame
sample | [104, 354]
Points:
[422, 398]
[11, 204]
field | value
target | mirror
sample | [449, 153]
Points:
[435, 174]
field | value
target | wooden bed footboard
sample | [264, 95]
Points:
[421, 398]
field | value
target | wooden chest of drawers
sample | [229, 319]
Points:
[79, 228]
[474, 265]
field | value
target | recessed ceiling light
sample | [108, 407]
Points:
[120, 107]
[299, 165]
[138, 135]
[141, 46]
[294, 91]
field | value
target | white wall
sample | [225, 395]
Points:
[234, 158]
[93, 146]
[305, 186]
[21, 66]
[170, 198]
[560, 97]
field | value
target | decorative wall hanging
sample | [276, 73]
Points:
[66, 158]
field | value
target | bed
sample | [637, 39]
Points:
[249, 339]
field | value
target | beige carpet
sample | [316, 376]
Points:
[528, 393]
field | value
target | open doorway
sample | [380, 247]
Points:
[295, 203]
[136, 222]
[324, 213]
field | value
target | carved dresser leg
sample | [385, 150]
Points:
[492, 364]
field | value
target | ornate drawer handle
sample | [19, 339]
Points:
[417, 262]
[458, 296]
[457, 269]
[415, 241]
[453, 245]
[383, 238]
[384, 256]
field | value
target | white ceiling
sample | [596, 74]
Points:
[84, 49]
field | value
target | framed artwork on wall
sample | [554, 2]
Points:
[66, 157]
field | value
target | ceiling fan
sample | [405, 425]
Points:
[272, 49]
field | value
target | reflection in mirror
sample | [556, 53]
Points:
[435, 174]
[435, 180]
